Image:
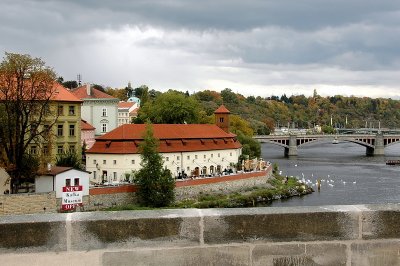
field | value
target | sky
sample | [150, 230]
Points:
[253, 47]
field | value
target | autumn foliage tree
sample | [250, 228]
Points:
[26, 90]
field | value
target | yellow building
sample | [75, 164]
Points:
[65, 133]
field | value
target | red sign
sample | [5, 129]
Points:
[71, 197]
[72, 188]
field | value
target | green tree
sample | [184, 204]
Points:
[171, 108]
[229, 96]
[70, 84]
[26, 91]
[69, 159]
[155, 183]
[250, 146]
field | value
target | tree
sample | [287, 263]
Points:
[69, 159]
[229, 96]
[26, 90]
[250, 146]
[70, 84]
[171, 108]
[155, 183]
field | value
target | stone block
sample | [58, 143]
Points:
[278, 224]
[376, 253]
[135, 229]
[197, 256]
[44, 232]
[299, 254]
[381, 222]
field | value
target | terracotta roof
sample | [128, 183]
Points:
[55, 170]
[134, 111]
[172, 138]
[57, 93]
[125, 104]
[167, 131]
[81, 93]
[61, 94]
[222, 110]
[86, 126]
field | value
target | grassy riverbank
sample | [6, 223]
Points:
[277, 187]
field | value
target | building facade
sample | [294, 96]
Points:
[187, 150]
[124, 111]
[99, 109]
[64, 135]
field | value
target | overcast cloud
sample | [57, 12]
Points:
[258, 47]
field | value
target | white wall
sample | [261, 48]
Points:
[184, 160]
[72, 174]
[92, 112]
[44, 184]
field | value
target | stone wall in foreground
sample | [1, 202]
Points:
[325, 235]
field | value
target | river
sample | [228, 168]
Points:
[353, 177]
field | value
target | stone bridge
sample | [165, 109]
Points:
[374, 143]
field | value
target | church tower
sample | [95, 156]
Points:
[222, 118]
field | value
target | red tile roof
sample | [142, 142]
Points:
[222, 110]
[172, 138]
[86, 126]
[81, 93]
[134, 111]
[61, 94]
[125, 104]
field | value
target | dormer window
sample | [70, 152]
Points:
[221, 119]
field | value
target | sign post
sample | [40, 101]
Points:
[71, 197]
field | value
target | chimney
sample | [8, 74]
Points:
[88, 88]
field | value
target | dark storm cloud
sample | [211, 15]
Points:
[232, 41]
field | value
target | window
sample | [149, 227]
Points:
[94, 161]
[221, 119]
[104, 161]
[114, 161]
[115, 176]
[104, 128]
[71, 148]
[71, 110]
[178, 158]
[188, 157]
[188, 169]
[46, 129]
[230, 154]
[60, 110]
[33, 149]
[167, 159]
[60, 149]
[104, 111]
[212, 155]
[219, 155]
[204, 156]
[76, 182]
[94, 174]
[133, 161]
[68, 182]
[195, 156]
[72, 130]
[60, 130]
[45, 149]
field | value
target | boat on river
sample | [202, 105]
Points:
[393, 162]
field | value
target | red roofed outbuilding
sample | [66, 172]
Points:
[192, 149]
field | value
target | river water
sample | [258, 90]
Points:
[353, 177]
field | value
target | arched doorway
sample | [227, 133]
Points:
[204, 170]
[211, 169]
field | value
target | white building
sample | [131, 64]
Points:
[4, 182]
[58, 177]
[99, 109]
[194, 149]
[124, 110]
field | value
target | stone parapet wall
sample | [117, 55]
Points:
[325, 235]
[225, 184]
[28, 203]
